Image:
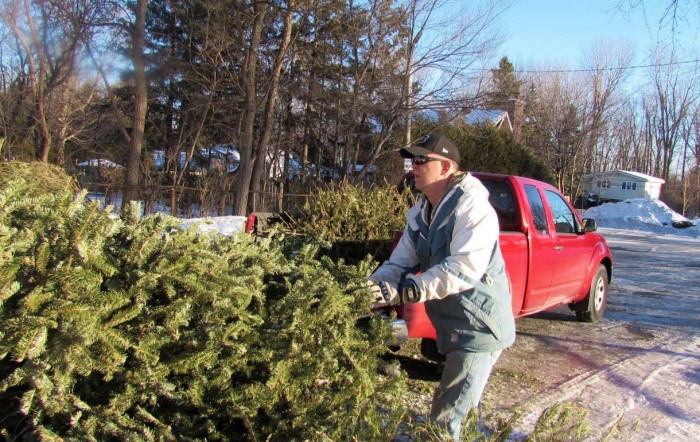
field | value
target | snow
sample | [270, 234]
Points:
[225, 225]
[642, 215]
[637, 371]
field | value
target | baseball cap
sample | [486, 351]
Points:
[436, 144]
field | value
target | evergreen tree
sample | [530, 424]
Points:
[485, 148]
[505, 86]
[135, 328]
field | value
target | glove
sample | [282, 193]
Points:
[410, 291]
[383, 294]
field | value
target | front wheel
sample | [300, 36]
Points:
[591, 309]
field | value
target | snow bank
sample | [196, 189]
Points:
[225, 225]
[641, 214]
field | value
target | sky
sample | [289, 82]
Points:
[559, 30]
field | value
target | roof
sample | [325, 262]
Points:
[492, 116]
[636, 175]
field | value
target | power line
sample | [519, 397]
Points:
[564, 71]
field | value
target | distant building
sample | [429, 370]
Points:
[99, 162]
[619, 185]
[509, 120]
[498, 118]
[210, 158]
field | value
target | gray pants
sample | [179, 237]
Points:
[463, 381]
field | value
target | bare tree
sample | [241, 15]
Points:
[272, 93]
[675, 91]
[571, 113]
[556, 105]
[690, 161]
[628, 144]
[606, 67]
[444, 41]
[138, 37]
[257, 12]
[50, 36]
[674, 12]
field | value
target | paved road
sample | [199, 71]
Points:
[637, 371]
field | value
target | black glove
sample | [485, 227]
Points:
[410, 291]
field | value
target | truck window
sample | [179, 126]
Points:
[501, 198]
[537, 208]
[564, 219]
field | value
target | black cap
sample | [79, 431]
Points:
[437, 144]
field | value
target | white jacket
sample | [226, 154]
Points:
[473, 237]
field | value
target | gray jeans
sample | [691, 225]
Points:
[463, 381]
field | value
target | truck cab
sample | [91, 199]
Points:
[552, 255]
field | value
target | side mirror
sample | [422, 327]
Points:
[589, 225]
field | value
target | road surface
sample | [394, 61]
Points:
[637, 372]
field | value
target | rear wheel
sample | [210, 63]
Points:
[591, 309]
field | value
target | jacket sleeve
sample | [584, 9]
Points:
[403, 258]
[473, 238]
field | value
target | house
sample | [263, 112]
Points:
[209, 158]
[99, 162]
[509, 119]
[619, 185]
[498, 118]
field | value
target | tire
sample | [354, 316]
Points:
[591, 309]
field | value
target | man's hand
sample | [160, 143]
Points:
[410, 291]
[384, 294]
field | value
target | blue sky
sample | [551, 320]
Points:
[558, 31]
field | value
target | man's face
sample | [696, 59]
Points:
[428, 170]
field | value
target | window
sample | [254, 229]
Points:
[501, 198]
[629, 185]
[537, 208]
[603, 183]
[564, 219]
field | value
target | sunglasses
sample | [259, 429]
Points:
[422, 160]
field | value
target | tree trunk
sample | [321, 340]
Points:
[140, 104]
[245, 170]
[261, 151]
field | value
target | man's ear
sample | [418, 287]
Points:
[446, 167]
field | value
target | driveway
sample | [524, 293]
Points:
[637, 372]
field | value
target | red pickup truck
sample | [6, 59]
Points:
[552, 256]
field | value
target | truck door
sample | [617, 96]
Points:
[542, 252]
[573, 255]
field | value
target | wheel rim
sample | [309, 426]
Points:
[599, 293]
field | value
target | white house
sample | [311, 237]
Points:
[619, 185]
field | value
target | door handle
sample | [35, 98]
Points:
[559, 248]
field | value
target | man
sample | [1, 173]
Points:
[449, 258]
